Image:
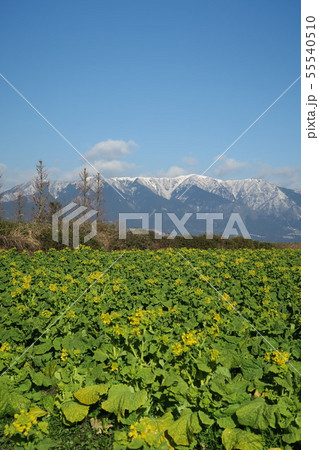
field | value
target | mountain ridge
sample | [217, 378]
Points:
[272, 212]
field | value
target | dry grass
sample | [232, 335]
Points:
[33, 236]
[22, 237]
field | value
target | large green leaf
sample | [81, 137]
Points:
[233, 391]
[74, 412]
[226, 422]
[122, 398]
[4, 399]
[205, 420]
[146, 374]
[175, 383]
[257, 414]
[236, 439]
[16, 403]
[90, 394]
[37, 411]
[251, 369]
[42, 348]
[293, 436]
[183, 429]
[100, 355]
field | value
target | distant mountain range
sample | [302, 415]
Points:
[269, 212]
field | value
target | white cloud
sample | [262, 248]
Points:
[190, 161]
[173, 171]
[11, 178]
[229, 165]
[114, 167]
[3, 168]
[110, 150]
[285, 176]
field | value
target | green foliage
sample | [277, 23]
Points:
[147, 354]
[74, 412]
[241, 440]
[122, 398]
[90, 394]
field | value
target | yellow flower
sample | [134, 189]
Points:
[118, 330]
[189, 338]
[106, 318]
[252, 272]
[23, 423]
[17, 292]
[114, 367]
[214, 329]
[5, 347]
[199, 291]
[231, 306]
[116, 288]
[214, 354]
[95, 276]
[134, 320]
[64, 354]
[259, 264]
[177, 348]
[52, 287]
[46, 313]
[133, 431]
[139, 313]
[280, 358]
[68, 277]
[64, 289]
[136, 331]
[204, 278]
[152, 281]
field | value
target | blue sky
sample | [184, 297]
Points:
[151, 87]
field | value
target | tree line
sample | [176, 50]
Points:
[89, 195]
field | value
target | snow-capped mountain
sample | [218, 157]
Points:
[270, 213]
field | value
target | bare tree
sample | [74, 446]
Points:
[84, 186]
[41, 185]
[20, 206]
[98, 196]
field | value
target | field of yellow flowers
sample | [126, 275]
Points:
[166, 350]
